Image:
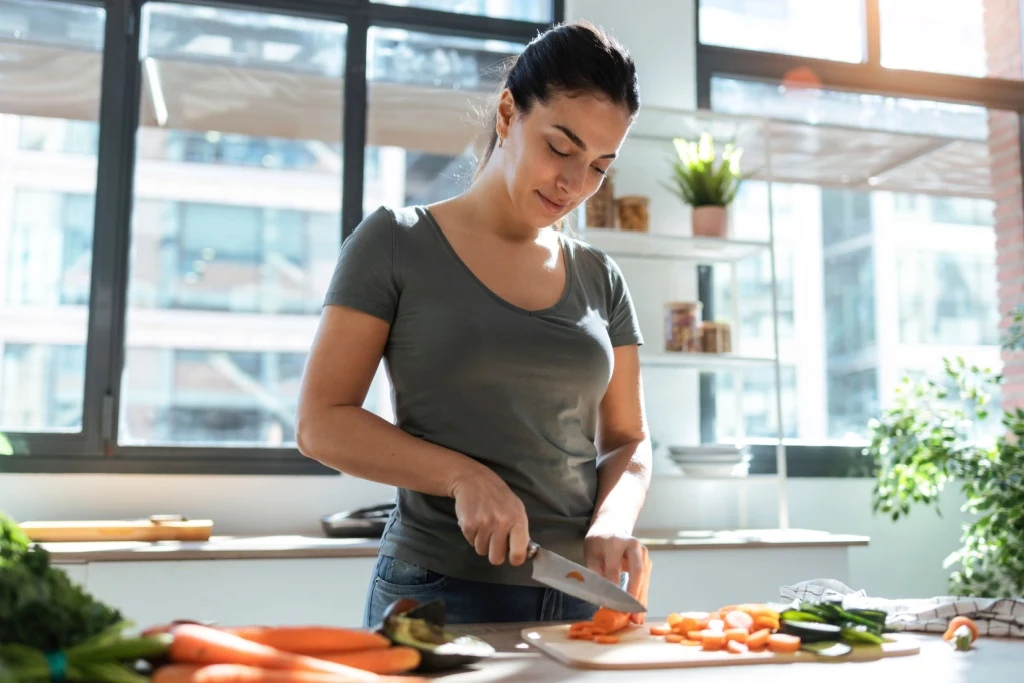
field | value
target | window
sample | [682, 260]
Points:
[236, 226]
[917, 34]
[524, 10]
[50, 56]
[808, 28]
[904, 278]
[423, 155]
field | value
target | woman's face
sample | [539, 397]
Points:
[556, 156]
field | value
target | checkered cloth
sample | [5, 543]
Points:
[1000, 617]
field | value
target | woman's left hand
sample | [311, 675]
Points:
[609, 552]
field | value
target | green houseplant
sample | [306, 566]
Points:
[928, 439]
[706, 181]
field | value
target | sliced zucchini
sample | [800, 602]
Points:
[810, 631]
[827, 648]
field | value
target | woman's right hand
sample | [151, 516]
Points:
[491, 517]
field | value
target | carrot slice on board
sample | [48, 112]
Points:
[781, 642]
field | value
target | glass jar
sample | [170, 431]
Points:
[633, 214]
[682, 326]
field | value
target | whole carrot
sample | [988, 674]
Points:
[197, 644]
[392, 660]
[242, 673]
[311, 640]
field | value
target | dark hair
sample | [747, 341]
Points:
[576, 58]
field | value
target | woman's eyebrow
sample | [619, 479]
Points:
[576, 140]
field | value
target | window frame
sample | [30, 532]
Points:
[94, 449]
[867, 77]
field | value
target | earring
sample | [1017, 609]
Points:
[501, 141]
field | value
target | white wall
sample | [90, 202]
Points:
[902, 560]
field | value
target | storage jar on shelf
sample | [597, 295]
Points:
[633, 213]
[682, 326]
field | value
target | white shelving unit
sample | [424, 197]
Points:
[683, 248]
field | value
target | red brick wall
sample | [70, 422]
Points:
[1003, 43]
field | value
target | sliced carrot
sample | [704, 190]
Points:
[663, 630]
[581, 635]
[758, 639]
[956, 623]
[687, 623]
[716, 625]
[606, 639]
[608, 621]
[581, 626]
[738, 635]
[197, 644]
[711, 616]
[691, 643]
[756, 610]
[674, 638]
[766, 622]
[727, 609]
[712, 640]
[738, 619]
[694, 635]
[674, 618]
[309, 640]
[736, 647]
[781, 642]
[391, 660]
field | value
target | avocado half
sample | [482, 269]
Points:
[422, 626]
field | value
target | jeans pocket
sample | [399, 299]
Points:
[399, 577]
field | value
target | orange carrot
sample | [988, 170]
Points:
[695, 635]
[581, 635]
[781, 642]
[606, 639]
[391, 660]
[716, 625]
[956, 623]
[769, 623]
[738, 619]
[688, 622]
[196, 644]
[308, 640]
[661, 630]
[608, 621]
[712, 640]
[738, 635]
[736, 647]
[758, 639]
[674, 638]
[756, 610]
[691, 643]
[241, 673]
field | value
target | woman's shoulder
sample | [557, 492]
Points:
[592, 259]
[402, 218]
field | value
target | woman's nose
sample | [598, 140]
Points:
[571, 179]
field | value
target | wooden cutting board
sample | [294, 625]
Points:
[156, 528]
[637, 649]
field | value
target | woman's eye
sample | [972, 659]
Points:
[561, 154]
[599, 170]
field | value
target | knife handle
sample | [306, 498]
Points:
[531, 550]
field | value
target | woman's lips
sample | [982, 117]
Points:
[550, 205]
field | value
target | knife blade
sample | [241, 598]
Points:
[574, 579]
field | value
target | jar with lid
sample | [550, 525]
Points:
[682, 326]
[633, 213]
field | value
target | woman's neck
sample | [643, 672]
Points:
[487, 204]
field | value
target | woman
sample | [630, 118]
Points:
[512, 350]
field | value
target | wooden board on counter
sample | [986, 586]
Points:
[148, 529]
[637, 649]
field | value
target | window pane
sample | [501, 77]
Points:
[917, 34]
[50, 64]
[236, 224]
[887, 282]
[809, 28]
[524, 10]
[417, 155]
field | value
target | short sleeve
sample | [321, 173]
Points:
[623, 324]
[364, 277]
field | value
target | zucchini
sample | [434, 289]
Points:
[797, 615]
[827, 648]
[856, 633]
[809, 631]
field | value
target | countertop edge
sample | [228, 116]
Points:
[319, 547]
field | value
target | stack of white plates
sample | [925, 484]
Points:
[711, 460]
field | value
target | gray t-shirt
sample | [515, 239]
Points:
[517, 390]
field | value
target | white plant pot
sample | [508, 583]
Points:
[710, 221]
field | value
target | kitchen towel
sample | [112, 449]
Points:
[1000, 617]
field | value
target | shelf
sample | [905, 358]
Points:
[702, 361]
[619, 244]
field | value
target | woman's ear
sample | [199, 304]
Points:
[505, 113]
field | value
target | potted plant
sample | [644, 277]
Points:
[707, 186]
[928, 439]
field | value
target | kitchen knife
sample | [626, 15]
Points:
[555, 571]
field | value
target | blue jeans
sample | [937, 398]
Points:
[468, 602]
